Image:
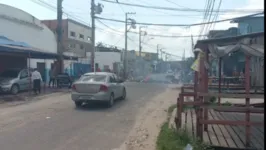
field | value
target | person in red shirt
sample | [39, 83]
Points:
[98, 70]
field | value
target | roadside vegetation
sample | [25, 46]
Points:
[213, 101]
[172, 139]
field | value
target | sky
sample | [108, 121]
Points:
[113, 34]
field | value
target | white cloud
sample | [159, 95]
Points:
[175, 46]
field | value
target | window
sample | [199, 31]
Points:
[72, 45]
[93, 78]
[81, 36]
[24, 74]
[81, 46]
[88, 38]
[10, 73]
[72, 34]
[112, 79]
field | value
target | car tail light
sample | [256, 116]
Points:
[103, 88]
[73, 87]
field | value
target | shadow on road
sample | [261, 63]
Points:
[100, 106]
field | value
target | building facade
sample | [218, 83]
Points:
[248, 25]
[20, 26]
[76, 37]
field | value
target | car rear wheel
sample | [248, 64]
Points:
[78, 104]
[14, 89]
[111, 100]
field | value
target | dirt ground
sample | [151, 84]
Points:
[148, 124]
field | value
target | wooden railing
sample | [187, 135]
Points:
[201, 104]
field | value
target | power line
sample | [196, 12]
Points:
[217, 14]
[184, 9]
[153, 35]
[205, 15]
[212, 4]
[176, 4]
[180, 25]
[54, 9]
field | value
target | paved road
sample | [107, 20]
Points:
[55, 123]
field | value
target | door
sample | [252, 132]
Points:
[41, 69]
[24, 80]
[119, 86]
[113, 85]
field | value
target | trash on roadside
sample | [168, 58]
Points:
[188, 147]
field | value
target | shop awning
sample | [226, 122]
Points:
[11, 47]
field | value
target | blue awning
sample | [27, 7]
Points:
[8, 46]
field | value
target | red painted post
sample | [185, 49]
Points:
[201, 84]
[220, 78]
[206, 59]
[182, 99]
[247, 88]
[179, 119]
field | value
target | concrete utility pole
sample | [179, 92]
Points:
[93, 35]
[95, 9]
[161, 54]
[133, 22]
[140, 47]
[158, 52]
[59, 35]
[140, 41]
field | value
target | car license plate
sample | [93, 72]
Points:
[85, 97]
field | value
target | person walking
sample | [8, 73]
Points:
[52, 77]
[37, 79]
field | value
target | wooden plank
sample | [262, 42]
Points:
[183, 121]
[228, 139]
[212, 135]
[235, 109]
[257, 137]
[194, 119]
[218, 132]
[240, 133]
[190, 125]
[257, 129]
[225, 95]
[235, 138]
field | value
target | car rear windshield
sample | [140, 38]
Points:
[9, 74]
[93, 78]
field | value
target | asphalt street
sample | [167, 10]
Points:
[55, 123]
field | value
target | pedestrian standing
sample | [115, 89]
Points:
[52, 77]
[37, 79]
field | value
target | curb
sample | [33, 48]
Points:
[32, 99]
[44, 96]
[172, 119]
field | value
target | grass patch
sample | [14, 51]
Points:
[170, 139]
[171, 109]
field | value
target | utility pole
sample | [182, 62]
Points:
[157, 52]
[93, 35]
[161, 54]
[140, 41]
[59, 35]
[125, 53]
[145, 33]
[133, 23]
[95, 9]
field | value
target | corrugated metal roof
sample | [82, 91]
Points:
[253, 50]
[10, 46]
[6, 41]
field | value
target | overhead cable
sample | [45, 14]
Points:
[180, 25]
[184, 9]
[153, 35]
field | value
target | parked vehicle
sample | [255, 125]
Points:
[64, 80]
[15, 80]
[100, 86]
